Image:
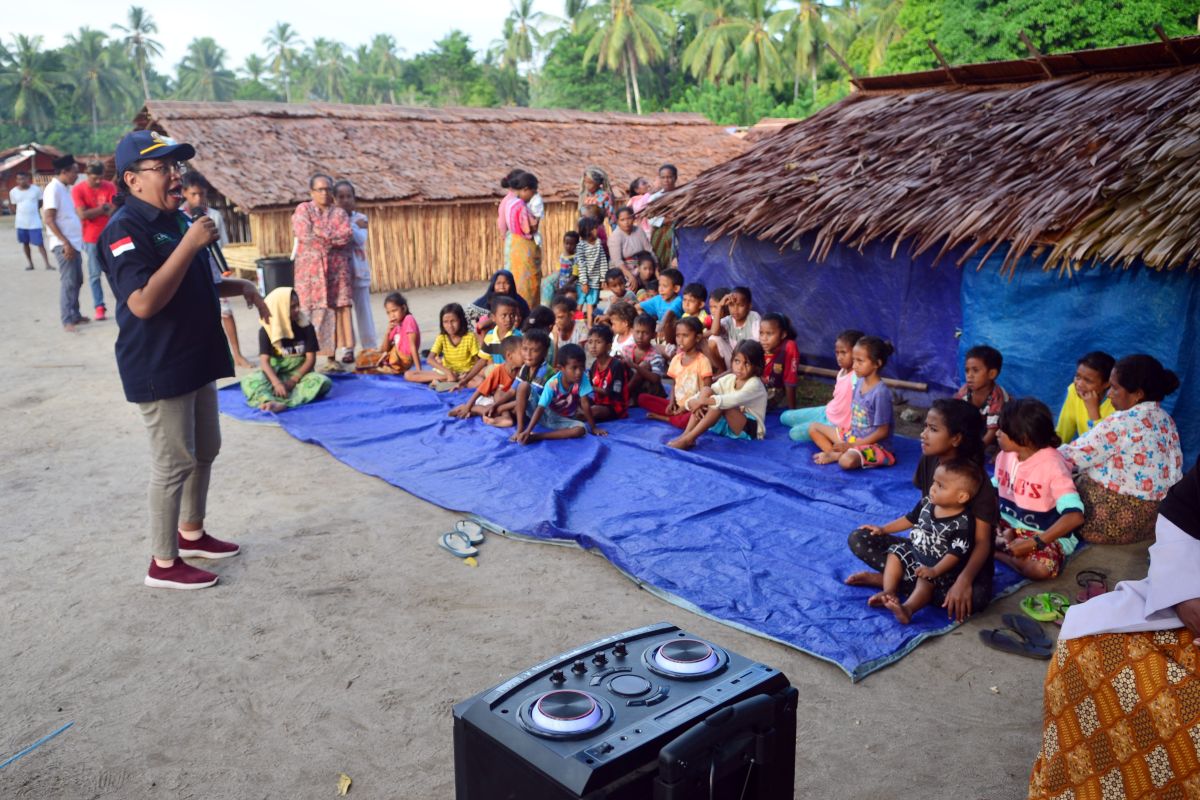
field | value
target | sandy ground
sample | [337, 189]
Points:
[341, 638]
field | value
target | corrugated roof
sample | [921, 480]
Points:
[1101, 163]
[261, 154]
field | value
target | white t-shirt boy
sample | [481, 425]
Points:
[59, 198]
[25, 201]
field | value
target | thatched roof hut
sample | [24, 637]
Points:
[428, 177]
[1073, 163]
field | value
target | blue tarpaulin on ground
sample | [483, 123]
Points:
[750, 533]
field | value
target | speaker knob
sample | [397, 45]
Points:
[619, 650]
[579, 668]
[599, 659]
[558, 677]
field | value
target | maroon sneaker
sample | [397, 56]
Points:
[179, 575]
[207, 547]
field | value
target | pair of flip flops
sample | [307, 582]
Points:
[1020, 636]
[1092, 583]
[462, 540]
[1046, 607]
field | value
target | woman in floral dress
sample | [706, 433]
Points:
[323, 276]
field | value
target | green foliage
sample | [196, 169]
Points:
[737, 105]
[565, 81]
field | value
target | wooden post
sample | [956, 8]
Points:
[1166, 40]
[844, 65]
[1037, 54]
[942, 60]
[895, 383]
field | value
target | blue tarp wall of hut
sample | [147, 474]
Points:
[1041, 321]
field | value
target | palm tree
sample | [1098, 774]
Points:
[385, 63]
[282, 47]
[705, 57]
[138, 43]
[330, 72]
[522, 37]
[202, 73]
[881, 24]
[573, 11]
[28, 82]
[625, 35]
[806, 30]
[99, 83]
[757, 53]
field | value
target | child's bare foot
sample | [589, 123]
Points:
[824, 458]
[273, 407]
[658, 417]
[680, 444]
[865, 579]
[893, 604]
[877, 600]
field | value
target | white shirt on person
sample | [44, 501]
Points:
[25, 201]
[58, 197]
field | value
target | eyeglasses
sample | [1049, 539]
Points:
[166, 169]
[321, 189]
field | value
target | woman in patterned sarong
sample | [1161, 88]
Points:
[1122, 693]
[522, 256]
[323, 277]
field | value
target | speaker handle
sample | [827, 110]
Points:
[723, 741]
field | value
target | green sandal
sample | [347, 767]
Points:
[1046, 607]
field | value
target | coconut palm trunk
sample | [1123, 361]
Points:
[142, 72]
[631, 65]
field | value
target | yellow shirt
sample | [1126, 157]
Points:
[1073, 420]
[458, 358]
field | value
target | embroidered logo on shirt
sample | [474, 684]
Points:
[122, 246]
[163, 238]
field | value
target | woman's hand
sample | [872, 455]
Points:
[1189, 615]
[959, 602]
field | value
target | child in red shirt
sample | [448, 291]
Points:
[781, 374]
[609, 377]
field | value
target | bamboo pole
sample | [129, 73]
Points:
[895, 383]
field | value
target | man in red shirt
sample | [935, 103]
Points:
[93, 199]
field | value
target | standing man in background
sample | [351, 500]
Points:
[27, 200]
[66, 239]
[93, 200]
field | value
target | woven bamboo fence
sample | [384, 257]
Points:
[427, 244]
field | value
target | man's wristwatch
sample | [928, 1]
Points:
[1037, 540]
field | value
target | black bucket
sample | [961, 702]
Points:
[275, 272]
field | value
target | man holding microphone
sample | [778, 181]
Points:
[170, 349]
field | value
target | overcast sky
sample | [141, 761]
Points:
[240, 25]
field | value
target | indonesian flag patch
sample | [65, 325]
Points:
[122, 246]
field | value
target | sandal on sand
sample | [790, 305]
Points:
[470, 529]
[1009, 641]
[1032, 631]
[1046, 606]
[458, 544]
[1093, 583]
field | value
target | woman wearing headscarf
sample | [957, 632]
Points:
[595, 190]
[1122, 693]
[323, 275]
[522, 256]
[1128, 460]
[502, 283]
[287, 347]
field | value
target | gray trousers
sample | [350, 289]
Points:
[70, 278]
[185, 437]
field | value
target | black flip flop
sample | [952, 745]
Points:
[1010, 641]
[1028, 628]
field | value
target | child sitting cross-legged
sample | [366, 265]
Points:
[402, 347]
[495, 389]
[782, 371]
[556, 405]
[609, 377]
[735, 406]
[645, 362]
[288, 346]
[835, 413]
[690, 370]
[981, 367]
[867, 442]
[455, 355]
[927, 564]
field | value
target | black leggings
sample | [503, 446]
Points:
[873, 551]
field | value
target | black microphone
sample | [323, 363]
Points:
[214, 250]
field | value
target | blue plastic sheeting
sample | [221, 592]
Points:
[1043, 322]
[909, 302]
[752, 534]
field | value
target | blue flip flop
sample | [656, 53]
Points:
[458, 544]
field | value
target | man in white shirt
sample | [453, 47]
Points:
[26, 199]
[65, 231]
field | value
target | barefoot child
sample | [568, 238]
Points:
[735, 406]
[867, 442]
[529, 379]
[609, 377]
[402, 347]
[287, 345]
[564, 395]
[930, 560]
[1087, 397]
[691, 372]
[496, 388]
[1039, 504]
[981, 367]
[455, 353]
[782, 370]
[592, 260]
[835, 413]
[647, 365]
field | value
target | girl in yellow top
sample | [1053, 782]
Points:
[1087, 397]
[455, 355]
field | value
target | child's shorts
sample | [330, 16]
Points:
[798, 419]
[551, 419]
[589, 298]
[1051, 556]
[749, 433]
[872, 454]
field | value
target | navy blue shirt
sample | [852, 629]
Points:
[182, 347]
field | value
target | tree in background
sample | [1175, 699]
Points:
[330, 72]
[138, 43]
[625, 35]
[202, 73]
[283, 45]
[28, 81]
[805, 30]
[102, 83]
[757, 58]
[715, 42]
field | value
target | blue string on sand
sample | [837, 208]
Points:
[34, 746]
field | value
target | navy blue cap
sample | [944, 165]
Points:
[141, 145]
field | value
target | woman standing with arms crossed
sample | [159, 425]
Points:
[323, 275]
